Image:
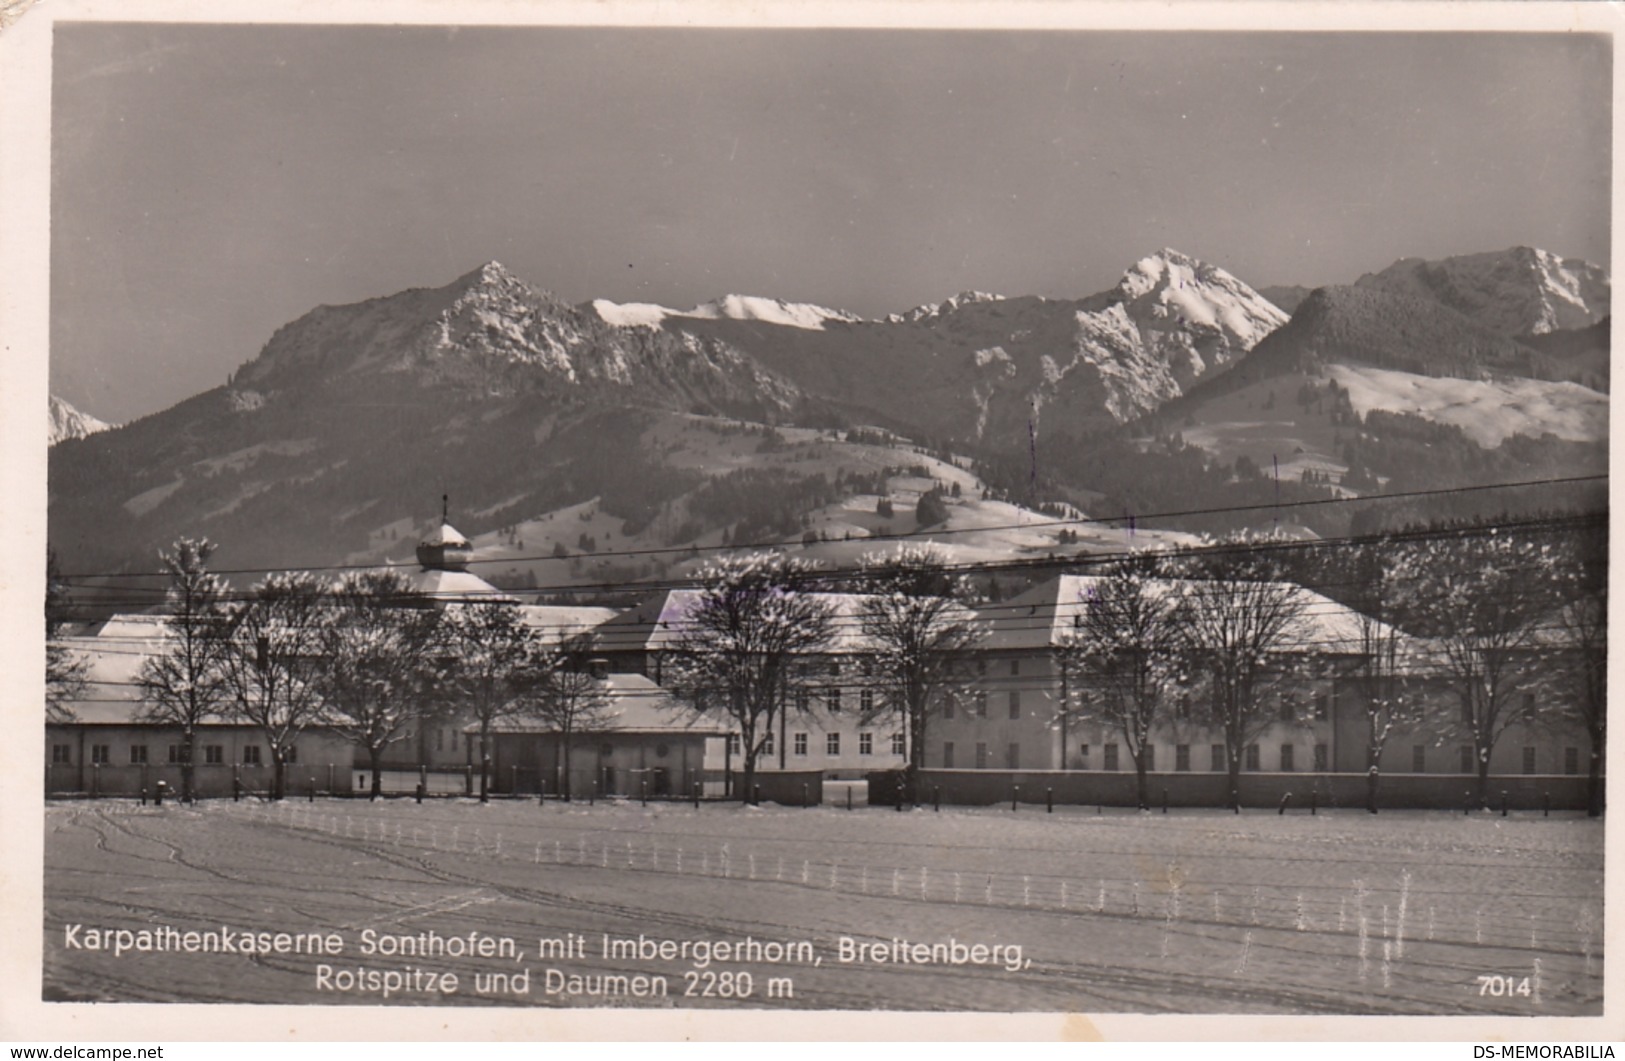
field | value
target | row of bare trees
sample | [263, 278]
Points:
[355, 659]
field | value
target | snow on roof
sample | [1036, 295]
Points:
[446, 534]
[1046, 616]
[445, 586]
[554, 622]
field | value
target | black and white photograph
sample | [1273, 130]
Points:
[1095, 512]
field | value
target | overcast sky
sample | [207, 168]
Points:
[212, 183]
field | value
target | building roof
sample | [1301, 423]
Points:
[445, 586]
[114, 652]
[637, 705]
[555, 622]
[1045, 616]
[657, 623]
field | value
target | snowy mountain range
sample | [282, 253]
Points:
[68, 422]
[352, 417]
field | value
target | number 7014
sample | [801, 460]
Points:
[1503, 986]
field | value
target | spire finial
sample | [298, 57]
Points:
[445, 508]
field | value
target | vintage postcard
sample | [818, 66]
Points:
[1023, 520]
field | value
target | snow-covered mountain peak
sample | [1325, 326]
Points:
[937, 309]
[68, 422]
[1518, 291]
[1172, 290]
[770, 311]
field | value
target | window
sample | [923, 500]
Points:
[1287, 759]
[1529, 760]
[1571, 760]
[1288, 709]
[138, 754]
[947, 754]
[1111, 757]
[61, 753]
[803, 700]
[767, 743]
[1467, 759]
[734, 744]
[799, 744]
[1182, 757]
[177, 753]
[948, 706]
[1083, 756]
[1323, 758]
[293, 754]
[866, 743]
[1216, 762]
[1252, 757]
[1012, 756]
[1467, 718]
[898, 745]
[1323, 706]
[251, 755]
[101, 753]
[832, 744]
[1419, 758]
[832, 699]
[981, 703]
[439, 739]
[981, 755]
[981, 667]
[1015, 668]
[866, 701]
[214, 754]
[1015, 703]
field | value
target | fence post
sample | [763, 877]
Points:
[804, 795]
[1165, 799]
[330, 788]
[1015, 794]
[1049, 801]
[236, 785]
[695, 789]
[1503, 803]
[312, 789]
[513, 780]
[936, 798]
[1314, 801]
[420, 792]
[1286, 798]
[848, 797]
[643, 790]
[468, 779]
[1546, 804]
[541, 789]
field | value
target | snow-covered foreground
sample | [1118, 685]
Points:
[1200, 912]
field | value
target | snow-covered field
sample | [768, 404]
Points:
[1200, 912]
[1487, 410]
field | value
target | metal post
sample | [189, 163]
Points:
[1165, 799]
[848, 797]
[803, 795]
[1049, 801]
[1503, 803]
[1314, 801]
[541, 790]
[936, 798]
[420, 792]
[330, 787]
[312, 789]
[755, 794]
[1546, 804]
[643, 790]
[1015, 794]
[143, 797]
[1286, 798]
[695, 788]
[513, 780]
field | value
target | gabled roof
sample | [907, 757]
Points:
[442, 586]
[1045, 616]
[554, 622]
[656, 624]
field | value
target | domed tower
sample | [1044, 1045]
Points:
[444, 577]
[445, 550]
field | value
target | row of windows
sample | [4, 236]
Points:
[832, 744]
[1252, 758]
[213, 754]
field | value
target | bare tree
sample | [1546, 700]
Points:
[1127, 649]
[64, 671]
[919, 630]
[1481, 600]
[376, 661]
[570, 697]
[273, 667]
[1582, 650]
[489, 669]
[1242, 633]
[184, 683]
[739, 642]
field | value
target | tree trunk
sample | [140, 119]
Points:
[1483, 774]
[1233, 763]
[749, 794]
[276, 773]
[1372, 779]
[568, 763]
[1594, 786]
[188, 766]
[375, 760]
[1142, 783]
[485, 763]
